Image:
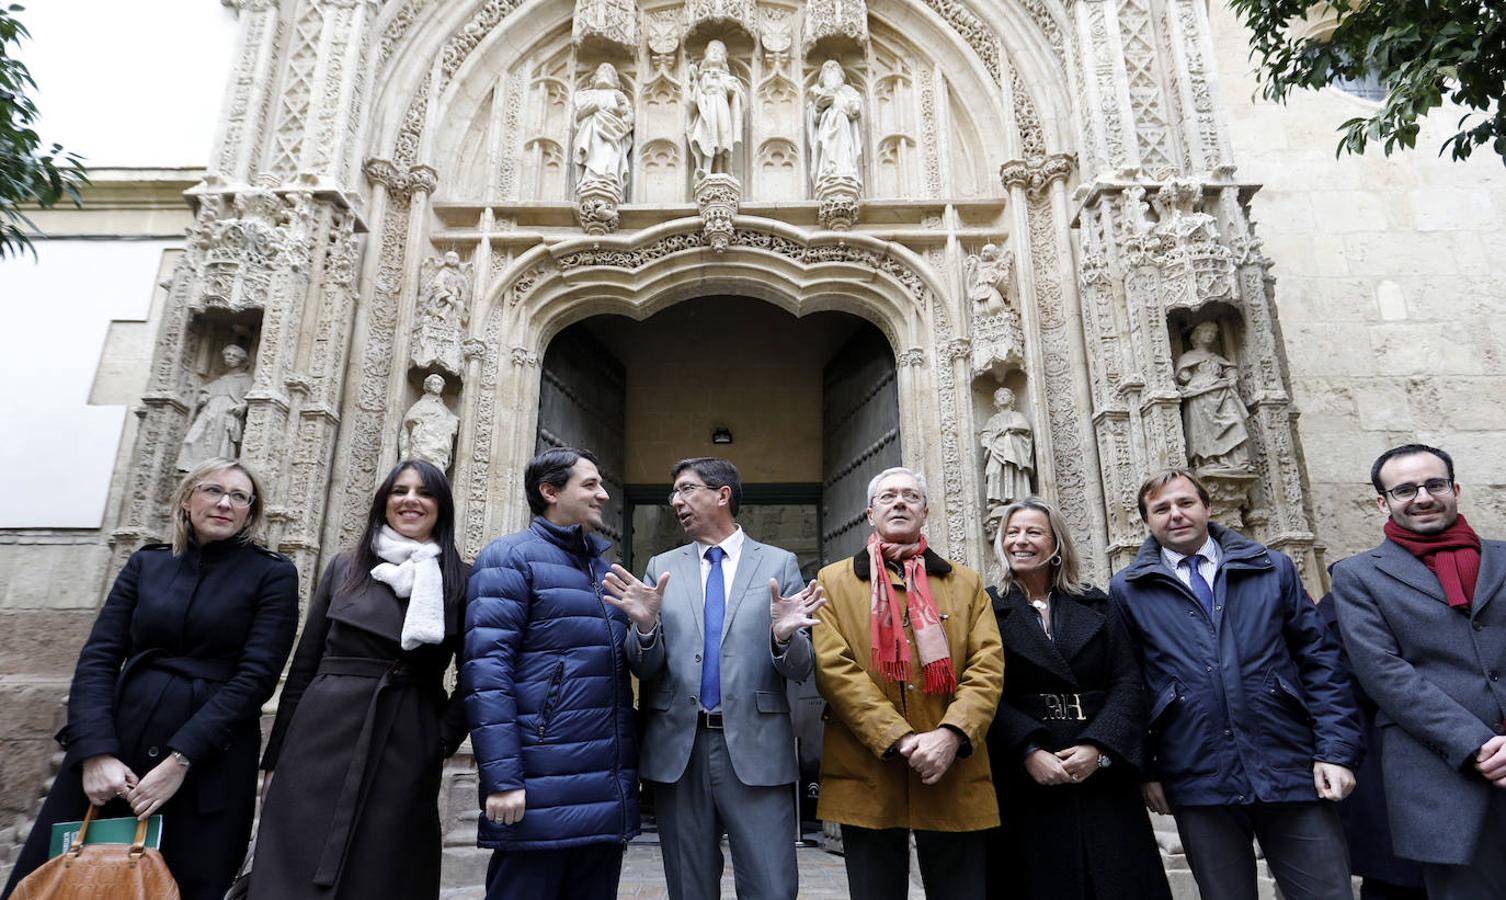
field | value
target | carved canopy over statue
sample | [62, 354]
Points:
[1213, 415]
[716, 101]
[836, 137]
[219, 415]
[442, 315]
[429, 428]
[603, 130]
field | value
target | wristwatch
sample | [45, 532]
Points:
[1103, 760]
[184, 762]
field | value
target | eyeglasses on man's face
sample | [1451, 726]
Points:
[1437, 487]
[214, 494]
[683, 491]
[889, 498]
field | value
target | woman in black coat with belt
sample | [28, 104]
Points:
[164, 711]
[1066, 742]
[365, 724]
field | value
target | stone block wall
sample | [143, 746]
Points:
[1391, 288]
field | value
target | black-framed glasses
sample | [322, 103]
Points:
[214, 494]
[685, 490]
[1435, 486]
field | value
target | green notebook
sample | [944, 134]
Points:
[104, 831]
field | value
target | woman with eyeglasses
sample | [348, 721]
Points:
[365, 723]
[1066, 743]
[164, 711]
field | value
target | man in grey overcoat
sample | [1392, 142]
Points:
[1423, 618]
[721, 625]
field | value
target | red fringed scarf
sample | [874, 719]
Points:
[1452, 554]
[890, 650]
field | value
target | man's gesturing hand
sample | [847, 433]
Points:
[505, 807]
[639, 599]
[790, 614]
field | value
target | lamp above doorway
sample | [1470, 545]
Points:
[721, 435]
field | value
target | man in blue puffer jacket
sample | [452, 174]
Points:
[548, 697]
[1253, 721]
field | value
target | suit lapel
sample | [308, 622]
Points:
[1396, 562]
[1075, 626]
[685, 568]
[1023, 635]
[747, 568]
[1492, 574]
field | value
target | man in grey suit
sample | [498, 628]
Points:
[720, 625]
[1423, 618]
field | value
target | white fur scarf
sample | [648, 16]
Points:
[412, 570]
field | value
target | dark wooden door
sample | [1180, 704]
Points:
[859, 438]
[583, 403]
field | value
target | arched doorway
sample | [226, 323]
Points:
[807, 408]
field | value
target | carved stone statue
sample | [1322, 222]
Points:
[1009, 454]
[219, 415]
[831, 123]
[442, 315]
[987, 276]
[998, 341]
[603, 129]
[1213, 415]
[429, 427]
[716, 102]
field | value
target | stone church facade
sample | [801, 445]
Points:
[1039, 195]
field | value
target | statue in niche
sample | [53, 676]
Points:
[987, 275]
[716, 102]
[997, 338]
[429, 428]
[442, 316]
[219, 415]
[1213, 415]
[1009, 455]
[831, 122]
[603, 131]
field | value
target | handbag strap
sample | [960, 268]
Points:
[83, 829]
[138, 846]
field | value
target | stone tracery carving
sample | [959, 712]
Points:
[443, 312]
[219, 414]
[429, 427]
[613, 23]
[831, 21]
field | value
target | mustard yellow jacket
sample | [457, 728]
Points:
[861, 782]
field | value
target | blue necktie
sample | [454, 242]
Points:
[716, 610]
[1195, 581]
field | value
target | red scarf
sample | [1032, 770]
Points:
[1452, 554]
[890, 650]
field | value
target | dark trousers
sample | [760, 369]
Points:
[1303, 843]
[1484, 878]
[574, 873]
[878, 863]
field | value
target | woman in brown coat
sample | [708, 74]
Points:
[909, 663]
[364, 725]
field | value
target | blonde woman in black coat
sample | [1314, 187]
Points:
[164, 711]
[1065, 745]
[365, 724]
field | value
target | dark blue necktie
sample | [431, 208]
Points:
[1195, 581]
[716, 610]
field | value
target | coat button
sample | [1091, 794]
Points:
[1479, 626]
[692, 701]
[698, 657]
[153, 752]
[1494, 675]
[1208, 668]
[909, 687]
[1229, 733]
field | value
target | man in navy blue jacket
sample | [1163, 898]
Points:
[548, 697]
[1253, 720]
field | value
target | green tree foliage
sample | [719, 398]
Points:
[27, 174]
[1423, 51]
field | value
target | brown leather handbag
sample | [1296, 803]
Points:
[99, 871]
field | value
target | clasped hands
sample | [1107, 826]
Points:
[641, 602]
[930, 753]
[1490, 761]
[106, 778]
[1070, 765]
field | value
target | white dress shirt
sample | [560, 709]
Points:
[1207, 568]
[733, 547]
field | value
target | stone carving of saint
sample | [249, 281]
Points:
[987, 276]
[429, 427]
[1008, 452]
[442, 315]
[716, 112]
[603, 130]
[1213, 415]
[831, 123]
[219, 415]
